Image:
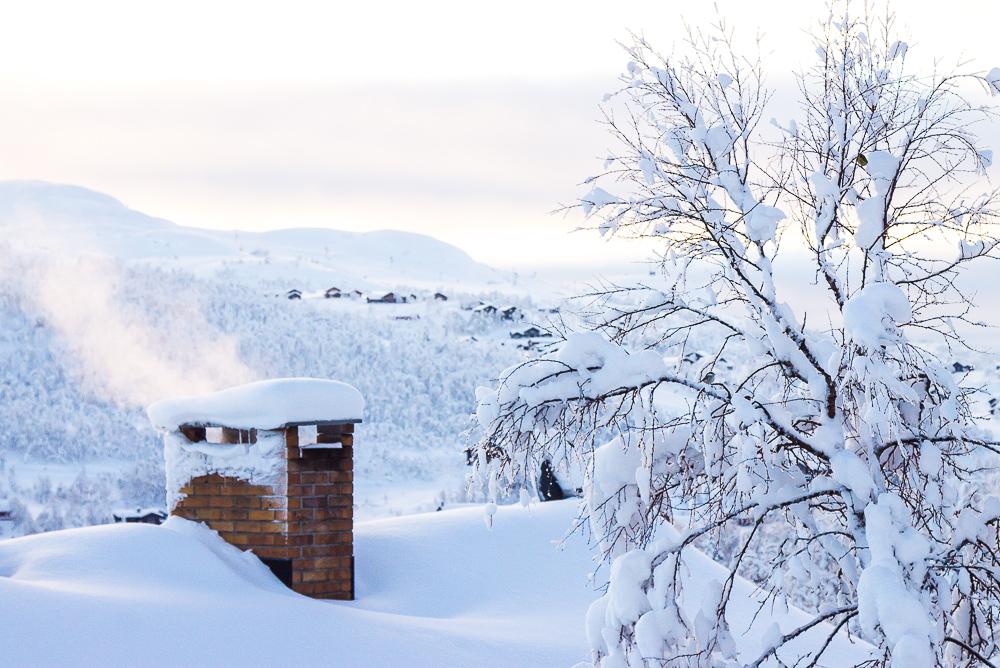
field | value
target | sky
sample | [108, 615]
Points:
[467, 121]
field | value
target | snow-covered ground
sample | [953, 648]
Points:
[435, 590]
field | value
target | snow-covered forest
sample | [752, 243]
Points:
[77, 445]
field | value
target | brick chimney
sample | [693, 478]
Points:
[285, 492]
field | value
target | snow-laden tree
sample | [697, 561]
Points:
[835, 425]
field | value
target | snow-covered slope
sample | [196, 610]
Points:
[434, 590]
[73, 220]
[85, 381]
[104, 310]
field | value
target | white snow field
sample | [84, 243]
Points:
[436, 589]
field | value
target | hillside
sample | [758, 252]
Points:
[106, 313]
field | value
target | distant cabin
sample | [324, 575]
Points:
[508, 312]
[6, 514]
[485, 309]
[440, 297]
[294, 294]
[530, 333]
[140, 516]
[388, 298]
[333, 293]
[958, 367]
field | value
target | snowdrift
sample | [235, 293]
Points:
[433, 590]
[264, 404]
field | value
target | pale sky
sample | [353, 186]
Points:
[467, 121]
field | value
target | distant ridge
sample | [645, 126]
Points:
[71, 220]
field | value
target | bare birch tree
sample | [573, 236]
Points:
[846, 430]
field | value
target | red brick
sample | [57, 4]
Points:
[333, 538]
[252, 526]
[340, 513]
[342, 565]
[276, 552]
[315, 575]
[273, 502]
[248, 490]
[309, 588]
[335, 562]
[338, 596]
[209, 513]
[332, 525]
[331, 550]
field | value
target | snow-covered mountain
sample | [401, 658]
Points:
[65, 219]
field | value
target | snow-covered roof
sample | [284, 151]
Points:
[266, 404]
[138, 512]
